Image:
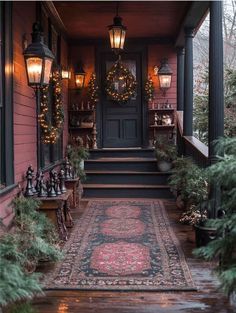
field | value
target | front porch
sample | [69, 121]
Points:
[107, 115]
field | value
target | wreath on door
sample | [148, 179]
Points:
[51, 130]
[120, 83]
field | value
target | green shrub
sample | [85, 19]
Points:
[224, 246]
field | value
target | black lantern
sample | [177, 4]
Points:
[165, 75]
[117, 33]
[38, 60]
[80, 77]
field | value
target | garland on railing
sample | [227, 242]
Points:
[116, 75]
[49, 132]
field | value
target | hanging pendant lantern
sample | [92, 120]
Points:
[117, 33]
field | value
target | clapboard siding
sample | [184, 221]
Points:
[24, 106]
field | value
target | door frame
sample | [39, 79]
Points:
[134, 48]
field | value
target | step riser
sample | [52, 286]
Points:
[122, 166]
[127, 193]
[159, 179]
[121, 154]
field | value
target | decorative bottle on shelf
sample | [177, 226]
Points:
[88, 105]
[82, 106]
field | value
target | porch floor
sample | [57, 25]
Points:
[206, 299]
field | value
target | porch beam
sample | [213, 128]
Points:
[188, 83]
[193, 18]
[216, 95]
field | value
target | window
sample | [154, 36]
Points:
[50, 154]
[6, 97]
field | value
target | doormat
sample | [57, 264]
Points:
[122, 245]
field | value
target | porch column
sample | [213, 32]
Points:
[188, 83]
[216, 93]
[180, 93]
[180, 79]
[216, 78]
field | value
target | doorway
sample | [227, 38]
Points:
[122, 124]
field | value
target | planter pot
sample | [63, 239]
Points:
[81, 164]
[204, 235]
[164, 166]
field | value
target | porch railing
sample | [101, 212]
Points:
[190, 145]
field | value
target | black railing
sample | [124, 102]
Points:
[190, 145]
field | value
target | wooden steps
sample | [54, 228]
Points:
[126, 173]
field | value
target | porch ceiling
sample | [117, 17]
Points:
[155, 19]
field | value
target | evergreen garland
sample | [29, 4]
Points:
[149, 89]
[51, 131]
[93, 89]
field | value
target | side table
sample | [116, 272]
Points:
[75, 185]
[57, 209]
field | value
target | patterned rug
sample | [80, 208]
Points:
[122, 245]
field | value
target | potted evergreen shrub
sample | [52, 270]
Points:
[77, 154]
[165, 152]
[224, 246]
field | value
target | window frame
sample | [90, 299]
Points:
[6, 94]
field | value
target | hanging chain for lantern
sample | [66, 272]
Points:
[120, 83]
[50, 133]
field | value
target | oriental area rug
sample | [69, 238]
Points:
[122, 245]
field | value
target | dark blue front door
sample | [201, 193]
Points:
[121, 122]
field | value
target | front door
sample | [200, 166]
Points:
[121, 122]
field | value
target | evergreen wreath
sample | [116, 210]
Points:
[49, 132]
[116, 75]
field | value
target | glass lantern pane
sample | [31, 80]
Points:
[111, 34]
[165, 81]
[117, 38]
[34, 69]
[47, 71]
[122, 39]
[79, 80]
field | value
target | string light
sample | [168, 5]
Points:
[50, 133]
[149, 89]
[93, 89]
[117, 73]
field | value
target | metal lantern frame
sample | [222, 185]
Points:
[80, 77]
[165, 72]
[117, 33]
[39, 52]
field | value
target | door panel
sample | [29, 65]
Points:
[121, 122]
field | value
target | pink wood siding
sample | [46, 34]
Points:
[155, 54]
[25, 148]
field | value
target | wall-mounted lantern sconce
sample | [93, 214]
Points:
[165, 75]
[65, 73]
[117, 32]
[38, 60]
[80, 77]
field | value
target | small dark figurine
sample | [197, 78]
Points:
[38, 178]
[51, 186]
[30, 168]
[57, 183]
[62, 181]
[29, 191]
[67, 169]
[42, 187]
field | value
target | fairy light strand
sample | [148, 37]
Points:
[51, 130]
